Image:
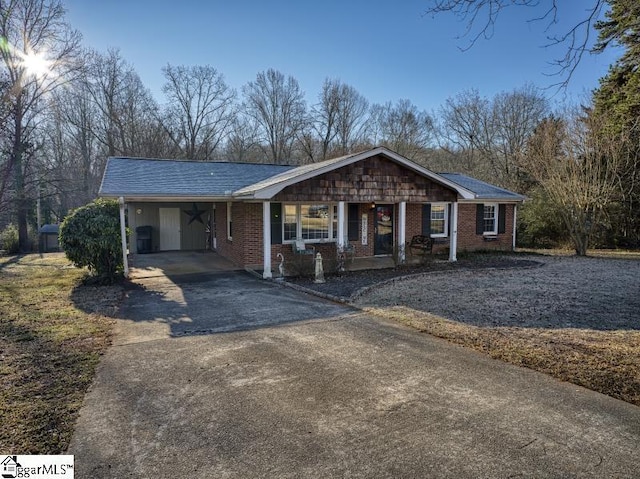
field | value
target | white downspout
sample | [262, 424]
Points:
[266, 239]
[402, 231]
[123, 238]
[453, 243]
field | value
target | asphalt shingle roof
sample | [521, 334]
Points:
[292, 173]
[50, 229]
[137, 177]
[145, 177]
[481, 189]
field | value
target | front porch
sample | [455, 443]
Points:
[350, 235]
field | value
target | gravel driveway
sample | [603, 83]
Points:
[557, 292]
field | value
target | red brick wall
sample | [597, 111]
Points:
[246, 246]
[251, 246]
[468, 240]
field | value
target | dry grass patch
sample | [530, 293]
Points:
[594, 253]
[50, 344]
[604, 361]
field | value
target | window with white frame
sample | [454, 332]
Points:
[439, 220]
[490, 219]
[290, 223]
[313, 222]
[229, 222]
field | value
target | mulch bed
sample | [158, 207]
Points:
[347, 284]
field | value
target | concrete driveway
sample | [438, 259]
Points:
[229, 376]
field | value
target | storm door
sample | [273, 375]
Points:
[383, 232]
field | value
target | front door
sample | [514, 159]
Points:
[169, 229]
[383, 237]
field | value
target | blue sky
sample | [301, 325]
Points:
[387, 50]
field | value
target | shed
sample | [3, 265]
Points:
[48, 238]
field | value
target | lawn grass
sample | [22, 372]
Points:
[51, 339]
[604, 361]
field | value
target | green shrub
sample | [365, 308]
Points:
[90, 236]
[540, 224]
[9, 239]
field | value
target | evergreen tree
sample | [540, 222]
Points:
[617, 104]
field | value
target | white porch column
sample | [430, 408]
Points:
[515, 212]
[266, 239]
[402, 231]
[340, 236]
[453, 240]
[123, 238]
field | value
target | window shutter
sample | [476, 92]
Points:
[426, 219]
[276, 223]
[480, 219]
[502, 218]
[353, 222]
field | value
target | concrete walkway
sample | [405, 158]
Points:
[293, 386]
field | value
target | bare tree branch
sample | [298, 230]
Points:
[481, 16]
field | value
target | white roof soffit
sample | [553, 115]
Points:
[271, 187]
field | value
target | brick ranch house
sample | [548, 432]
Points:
[369, 203]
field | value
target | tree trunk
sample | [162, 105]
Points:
[580, 242]
[21, 201]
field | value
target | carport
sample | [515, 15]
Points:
[173, 263]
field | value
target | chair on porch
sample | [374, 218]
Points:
[300, 247]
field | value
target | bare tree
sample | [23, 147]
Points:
[335, 124]
[5, 163]
[402, 127]
[277, 105]
[517, 113]
[325, 117]
[243, 143]
[579, 168]
[39, 53]
[480, 17]
[466, 129]
[488, 135]
[353, 109]
[70, 148]
[127, 122]
[200, 109]
[309, 146]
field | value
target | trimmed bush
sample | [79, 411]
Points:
[9, 239]
[90, 236]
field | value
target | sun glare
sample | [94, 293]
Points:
[36, 64]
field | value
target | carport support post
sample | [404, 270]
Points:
[266, 239]
[402, 230]
[453, 243]
[123, 238]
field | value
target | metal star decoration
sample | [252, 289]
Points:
[195, 214]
